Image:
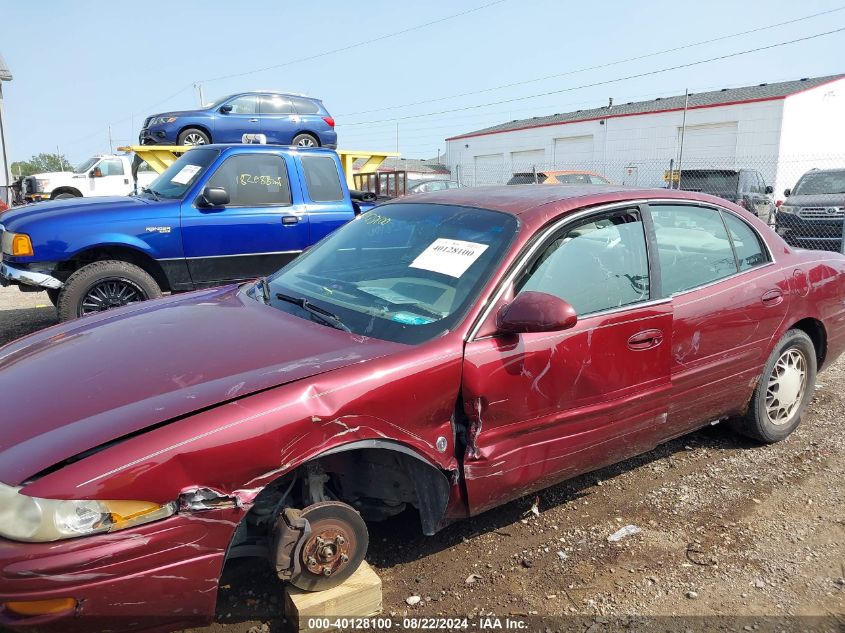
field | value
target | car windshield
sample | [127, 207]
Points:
[218, 103]
[819, 183]
[82, 168]
[401, 272]
[175, 180]
[710, 181]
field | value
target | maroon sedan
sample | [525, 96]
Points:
[448, 354]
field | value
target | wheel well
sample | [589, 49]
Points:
[815, 330]
[121, 253]
[201, 128]
[59, 190]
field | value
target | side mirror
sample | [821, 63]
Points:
[226, 109]
[787, 192]
[213, 197]
[536, 312]
[95, 173]
[769, 189]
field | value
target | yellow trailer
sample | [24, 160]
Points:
[160, 157]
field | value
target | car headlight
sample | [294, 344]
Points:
[41, 184]
[24, 518]
[16, 244]
[159, 120]
[788, 209]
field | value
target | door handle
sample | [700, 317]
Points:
[253, 120]
[645, 340]
[772, 297]
[289, 220]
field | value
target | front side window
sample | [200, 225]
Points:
[404, 272]
[244, 105]
[322, 178]
[253, 180]
[598, 264]
[692, 246]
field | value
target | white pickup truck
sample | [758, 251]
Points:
[101, 175]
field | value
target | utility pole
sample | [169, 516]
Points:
[59, 156]
[683, 132]
[111, 144]
[198, 88]
[397, 137]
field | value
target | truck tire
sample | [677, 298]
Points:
[305, 140]
[64, 196]
[783, 392]
[193, 136]
[104, 285]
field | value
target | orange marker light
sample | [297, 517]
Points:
[21, 245]
[40, 607]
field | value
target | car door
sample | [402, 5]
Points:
[543, 407]
[728, 300]
[109, 178]
[235, 118]
[279, 120]
[260, 229]
[326, 196]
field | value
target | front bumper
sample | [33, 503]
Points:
[161, 573]
[157, 136]
[9, 275]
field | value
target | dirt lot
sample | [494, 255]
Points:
[727, 527]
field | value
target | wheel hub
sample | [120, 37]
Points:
[326, 552]
[785, 389]
[110, 293]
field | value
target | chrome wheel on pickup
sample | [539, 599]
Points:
[104, 285]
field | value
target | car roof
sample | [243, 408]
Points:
[532, 203]
[272, 92]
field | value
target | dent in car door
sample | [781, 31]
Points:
[257, 233]
[725, 312]
[543, 407]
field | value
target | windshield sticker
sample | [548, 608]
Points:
[249, 179]
[185, 174]
[406, 318]
[449, 257]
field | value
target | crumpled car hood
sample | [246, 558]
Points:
[71, 388]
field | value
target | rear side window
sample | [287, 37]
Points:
[749, 251]
[111, 167]
[253, 180]
[275, 104]
[692, 245]
[305, 106]
[322, 178]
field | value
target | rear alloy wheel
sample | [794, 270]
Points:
[102, 286]
[305, 140]
[334, 548]
[193, 136]
[784, 390]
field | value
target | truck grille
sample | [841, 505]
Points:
[821, 213]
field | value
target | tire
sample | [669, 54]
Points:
[104, 285]
[779, 401]
[193, 136]
[305, 140]
[64, 196]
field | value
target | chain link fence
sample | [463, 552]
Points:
[801, 197]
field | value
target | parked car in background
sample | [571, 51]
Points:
[100, 175]
[558, 177]
[216, 215]
[426, 186]
[814, 210]
[284, 119]
[744, 187]
[448, 352]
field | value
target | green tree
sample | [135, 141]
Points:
[40, 164]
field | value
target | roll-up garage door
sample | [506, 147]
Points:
[525, 161]
[711, 145]
[574, 152]
[489, 169]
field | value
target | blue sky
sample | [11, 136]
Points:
[114, 63]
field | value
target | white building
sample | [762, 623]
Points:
[780, 129]
[5, 177]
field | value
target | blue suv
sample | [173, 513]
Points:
[285, 119]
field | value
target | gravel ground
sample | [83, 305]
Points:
[727, 527]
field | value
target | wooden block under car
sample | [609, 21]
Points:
[358, 596]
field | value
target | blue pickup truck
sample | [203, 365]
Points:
[219, 214]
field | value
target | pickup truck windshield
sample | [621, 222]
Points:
[820, 183]
[82, 168]
[402, 272]
[176, 179]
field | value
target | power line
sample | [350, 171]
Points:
[597, 67]
[356, 44]
[598, 83]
